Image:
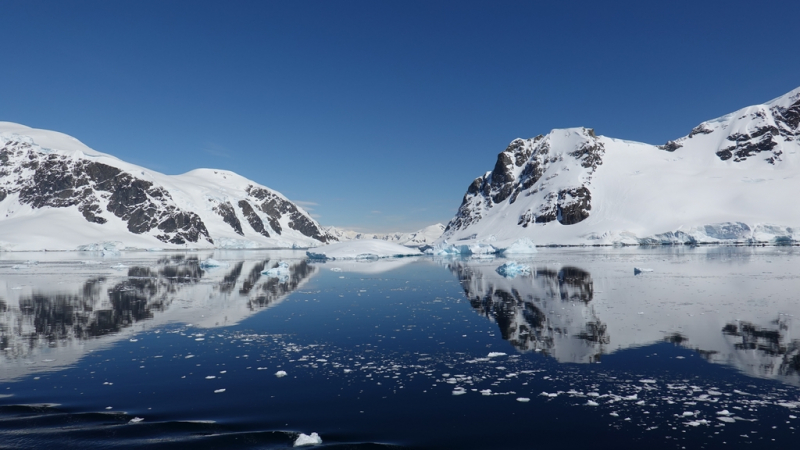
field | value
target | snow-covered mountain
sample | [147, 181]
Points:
[425, 236]
[732, 179]
[58, 194]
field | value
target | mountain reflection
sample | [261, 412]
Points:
[559, 312]
[50, 314]
[550, 311]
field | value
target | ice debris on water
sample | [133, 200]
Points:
[219, 391]
[280, 373]
[136, 420]
[305, 440]
[119, 266]
[495, 354]
[211, 263]
[512, 269]
[638, 270]
[523, 399]
[459, 391]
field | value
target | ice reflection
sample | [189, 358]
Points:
[52, 314]
[732, 306]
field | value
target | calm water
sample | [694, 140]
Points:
[701, 349]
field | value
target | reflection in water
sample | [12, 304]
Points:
[549, 311]
[56, 318]
[702, 305]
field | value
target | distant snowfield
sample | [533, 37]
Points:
[733, 179]
[362, 249]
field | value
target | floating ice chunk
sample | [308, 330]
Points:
[219, 391]
[495, 354]
[459, 391]
[523, 399]
[280, 373]
[119, 266]
[592, 403]
[638, 270]
[726, 419]
[523, 246]
[336, 269]
[486, 392]
[447, 249]
[647, 381]
[279, 271]
[512, 269]
[211, 263]
[306, 440]
[136, 420]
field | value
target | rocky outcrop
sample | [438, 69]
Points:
[275, 207]
[537, 170]
[59, 181]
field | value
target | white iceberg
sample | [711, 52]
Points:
[211, 263]
[466, 248]
[279, 271]
[362, 250]
[306, 440]
[512, 269]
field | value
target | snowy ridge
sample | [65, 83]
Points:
[728, 181]
[425, 236]
[58, 194]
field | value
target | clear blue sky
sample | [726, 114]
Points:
[378, 114]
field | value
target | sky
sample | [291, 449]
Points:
[377, 115]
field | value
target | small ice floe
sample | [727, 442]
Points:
[614, 414]
[280, 373]
[790, 405]
[486, 392]
[91, 263]
[305, 440]
[281, 270]
[219, 391]
[212, 263]
[336, 269]
[638, 270]
[726, 419]
[696, 423]
[495, 354]
[512, 269]
[523, 399]
[210, 377]
[592, 403]
[119, 266]
[459, 391]
[647, 381]
[136, 420]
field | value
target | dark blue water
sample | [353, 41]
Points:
[411, 357]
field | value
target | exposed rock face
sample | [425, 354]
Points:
[252, 218]
[120, 199]
[59, 181]
[275, 207]
[226, 211]
[536, 170]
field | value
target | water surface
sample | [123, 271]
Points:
[695, 350]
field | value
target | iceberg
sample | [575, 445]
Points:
[513, 269]
[305, 440]
[474, 248]
[281, 271]
[211, 263]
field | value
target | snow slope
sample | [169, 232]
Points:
[58, 194]
[732, 179]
